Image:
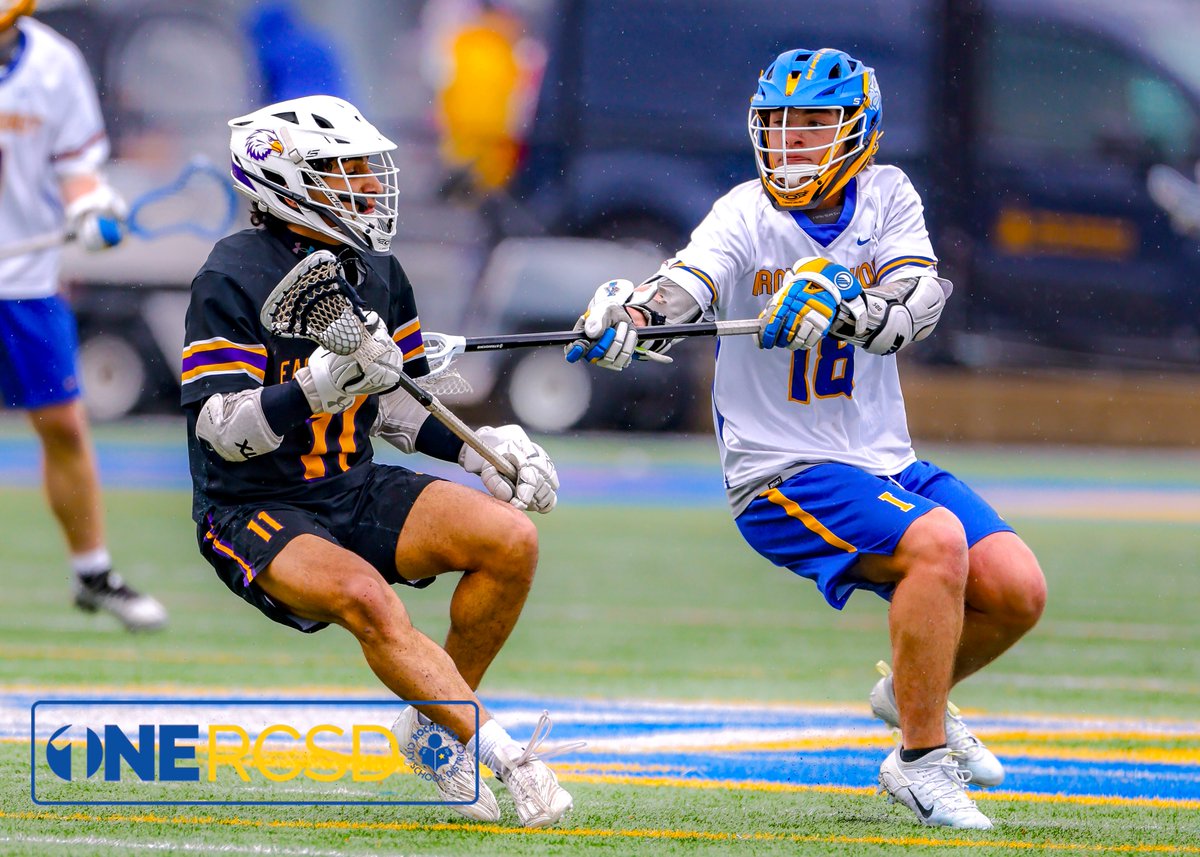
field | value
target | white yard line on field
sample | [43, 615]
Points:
[172, 847]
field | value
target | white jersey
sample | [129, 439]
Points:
[50, 127]
[777, 411]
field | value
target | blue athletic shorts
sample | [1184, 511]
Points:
[38, 344]
[821, 520]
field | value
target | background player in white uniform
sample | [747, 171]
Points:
[814, 442]
[52, 147]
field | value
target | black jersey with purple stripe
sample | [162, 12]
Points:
[227, 349]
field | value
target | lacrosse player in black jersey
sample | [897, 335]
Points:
[292, 512]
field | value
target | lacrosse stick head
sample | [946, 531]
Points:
[443, 378]
[175, 207]
[315, 302]
[441, 349]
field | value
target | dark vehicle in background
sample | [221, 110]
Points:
[1028, 126]
[537, 284]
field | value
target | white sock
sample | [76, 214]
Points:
[91, 562]
[490, 737]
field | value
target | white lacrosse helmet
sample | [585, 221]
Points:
[286, 156]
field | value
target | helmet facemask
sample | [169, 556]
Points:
[354, 198]
[798, 174]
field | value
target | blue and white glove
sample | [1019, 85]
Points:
[536, 487]
[95, 218]
[609, 335]
[801, 312]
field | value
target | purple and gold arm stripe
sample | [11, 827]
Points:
[221, 357]
[221, 547]
[701, 276]
[904, 262]
[408, 339]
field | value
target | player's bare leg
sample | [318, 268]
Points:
[69, 473]
[322, 581]
[495, 546]
[925, 620]
[73, 488]
[1006, 594]
[452, 528]
[319, 580]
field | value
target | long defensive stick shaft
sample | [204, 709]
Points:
[645, 334]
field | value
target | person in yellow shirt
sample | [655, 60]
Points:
[493, 72]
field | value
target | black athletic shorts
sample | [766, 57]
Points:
[241, 541]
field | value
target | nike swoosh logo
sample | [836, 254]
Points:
[862, 241]
[921, 808]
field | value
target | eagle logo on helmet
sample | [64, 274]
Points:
[261, 143]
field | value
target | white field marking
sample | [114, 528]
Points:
[691, 726]
[252, 718]
[195, 847]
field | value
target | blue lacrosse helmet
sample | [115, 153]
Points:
[801, 173]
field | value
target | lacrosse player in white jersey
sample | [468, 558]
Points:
[52, 148]
[831, 252]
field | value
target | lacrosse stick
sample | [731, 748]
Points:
[315, 302]
[197, 175]
[442, 348]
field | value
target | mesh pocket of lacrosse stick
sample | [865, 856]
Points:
[313, 302]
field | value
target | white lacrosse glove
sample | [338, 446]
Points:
[537, 482]
[95, 218]
[801, 312]
[899, 313]
[378, 330]
[609, 335]
[333, 381]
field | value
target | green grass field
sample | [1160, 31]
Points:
[692, 615]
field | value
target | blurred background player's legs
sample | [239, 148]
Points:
[73, 489]
[69, 474]
[38, 375]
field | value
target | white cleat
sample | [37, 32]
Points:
[539, 799]
[934, 787]
[108, 592]
[970, 754]
[457, 787]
